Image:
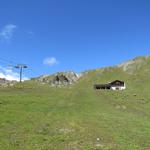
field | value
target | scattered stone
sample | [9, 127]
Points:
[124, 107]
[98, 145]
[66, 130]
[121, 107]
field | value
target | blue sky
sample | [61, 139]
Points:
[61, 35]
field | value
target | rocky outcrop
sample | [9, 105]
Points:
[59, 79]
[6, 83]
[134, 65]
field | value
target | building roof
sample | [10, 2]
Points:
[113, 83]
[117, 81]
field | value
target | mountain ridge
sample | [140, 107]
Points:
[60, 79]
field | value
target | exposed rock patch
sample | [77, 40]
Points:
[133, 65]
[6, 83]
[59, 79]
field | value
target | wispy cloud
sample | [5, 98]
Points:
[50, 61]
[7, 32]
[30, 33]
[9, 74]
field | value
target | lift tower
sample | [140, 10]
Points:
[21, 67]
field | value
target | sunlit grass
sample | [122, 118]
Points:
[34, 116]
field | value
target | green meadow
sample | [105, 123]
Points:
[77, 117]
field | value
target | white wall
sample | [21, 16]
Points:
[120, 87]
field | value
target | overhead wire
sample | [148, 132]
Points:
[7, 63]
[12, 64]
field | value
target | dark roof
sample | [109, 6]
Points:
[101, 85]
[113, 83]
[116, 81]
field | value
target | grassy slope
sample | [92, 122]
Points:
[34, 116]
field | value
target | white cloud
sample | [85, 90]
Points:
[7, 32]
[9, 74]
[50, 61]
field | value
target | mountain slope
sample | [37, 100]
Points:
[135, 65]
[77, 117]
